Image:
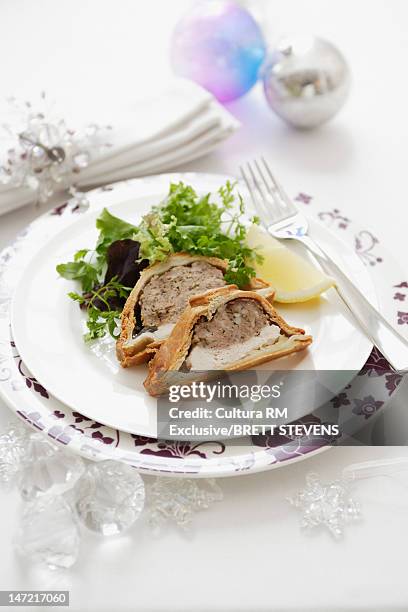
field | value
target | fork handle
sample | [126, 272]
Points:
[390, 343]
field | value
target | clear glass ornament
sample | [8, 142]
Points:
[49, 469]
[177, 499]
[49, 532]
[110, 497]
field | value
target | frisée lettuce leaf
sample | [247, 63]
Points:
[183, 222]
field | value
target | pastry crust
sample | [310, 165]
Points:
[143, 350]
[173, 352]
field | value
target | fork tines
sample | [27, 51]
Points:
[269, 199]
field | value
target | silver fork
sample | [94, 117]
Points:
[281, 218]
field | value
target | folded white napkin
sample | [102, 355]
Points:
[150, 136]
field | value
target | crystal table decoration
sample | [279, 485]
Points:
[48, 469]
[177, 499]
[326, 504]
[61, 491]
[48, 532]
[43, 152]
[13, 451]
[110, 497]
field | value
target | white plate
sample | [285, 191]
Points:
[48, 327]
[30, 401]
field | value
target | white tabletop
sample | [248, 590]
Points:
[247, 552]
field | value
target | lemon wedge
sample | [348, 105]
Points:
[293, 277]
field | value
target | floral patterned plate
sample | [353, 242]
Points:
[28, 398]
[109, 394]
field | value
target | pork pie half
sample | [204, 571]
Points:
[225, 329]
[160, 296]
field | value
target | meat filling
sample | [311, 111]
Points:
[233, 323]
[166, 295]
[236, 330]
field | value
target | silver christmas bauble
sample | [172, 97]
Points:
[306, 81]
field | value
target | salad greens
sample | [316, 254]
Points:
[101, 315]
[183, 222]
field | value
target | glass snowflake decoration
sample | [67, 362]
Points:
[328, 505]
[177, 499]
[13, 453]
[44, 154]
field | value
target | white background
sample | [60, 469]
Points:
[246, 553]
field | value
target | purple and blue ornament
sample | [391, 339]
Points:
[219, 45]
